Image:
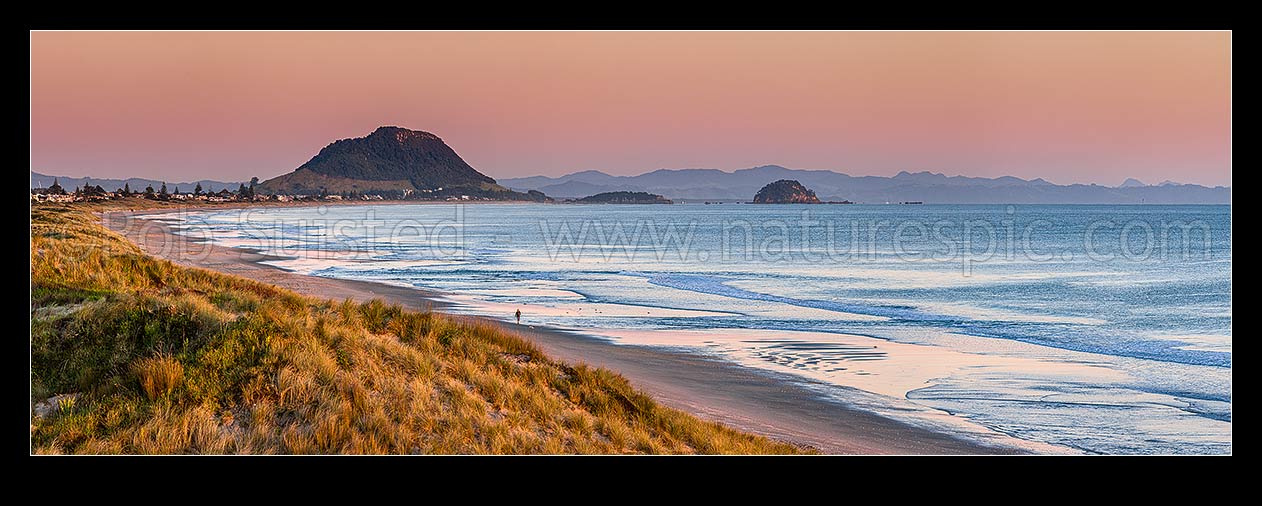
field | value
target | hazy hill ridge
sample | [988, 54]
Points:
[928, 187]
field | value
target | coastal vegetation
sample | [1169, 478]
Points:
[135, 354]
[624, 198]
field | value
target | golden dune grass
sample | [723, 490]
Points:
[169, 359]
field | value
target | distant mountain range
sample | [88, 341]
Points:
[928, 187]
[427, 165]
[137, 184]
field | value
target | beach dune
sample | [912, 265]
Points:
[777, 406]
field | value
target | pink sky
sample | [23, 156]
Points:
[1065, 106]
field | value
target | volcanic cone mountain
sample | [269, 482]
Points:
[392, 161]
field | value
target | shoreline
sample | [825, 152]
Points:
[773, 405]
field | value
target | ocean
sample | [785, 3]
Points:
[1064, 328]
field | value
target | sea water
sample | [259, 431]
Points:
[1089, 328]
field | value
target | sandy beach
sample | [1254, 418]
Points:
[777, 406]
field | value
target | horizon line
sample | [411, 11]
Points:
[725, 171]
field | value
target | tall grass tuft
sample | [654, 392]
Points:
[158, 376]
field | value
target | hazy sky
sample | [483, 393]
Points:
[1065, 106]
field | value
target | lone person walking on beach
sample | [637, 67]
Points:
[519, 317]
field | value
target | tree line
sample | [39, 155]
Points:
[243, 191]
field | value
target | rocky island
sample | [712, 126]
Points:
[785, 191]
[624, 198]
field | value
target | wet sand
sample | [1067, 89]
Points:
[775, 405]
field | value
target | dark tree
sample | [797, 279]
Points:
[241, 192]
[177, 190]
[56, 188]
[149, 192]
[198, 189]
[126, 190]
[163, 192]
[254, 181]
